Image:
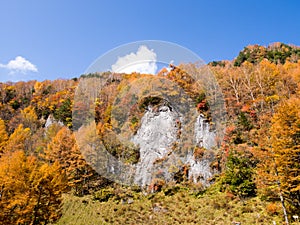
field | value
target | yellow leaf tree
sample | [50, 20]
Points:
[285, 142]
[3, 135]
[18, 139]
[278, 172]
[30, 192]
[29, 118]
[64, 150]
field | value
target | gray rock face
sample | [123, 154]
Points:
[203, 136]
[200, 170]
[155, 138]
[50, 120]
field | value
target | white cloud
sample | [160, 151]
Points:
[143, 61]
[19, 64]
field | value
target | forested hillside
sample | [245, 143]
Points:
[45, 179]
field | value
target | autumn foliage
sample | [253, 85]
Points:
[30, 191]
[259, 156]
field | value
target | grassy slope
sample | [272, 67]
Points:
[180, 208]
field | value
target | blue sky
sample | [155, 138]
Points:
[60, 39]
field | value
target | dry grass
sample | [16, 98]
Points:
[183, 207]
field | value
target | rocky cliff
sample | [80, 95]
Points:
[156, 137]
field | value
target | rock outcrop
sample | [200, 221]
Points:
[156, 137]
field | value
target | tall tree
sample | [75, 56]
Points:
[238, 175]
[3, 135]
[30, 192]
[29, 118]
[285, 142]
[63, 149]
[278, 172]
[18, 139]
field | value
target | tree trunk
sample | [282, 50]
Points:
[282, 199]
